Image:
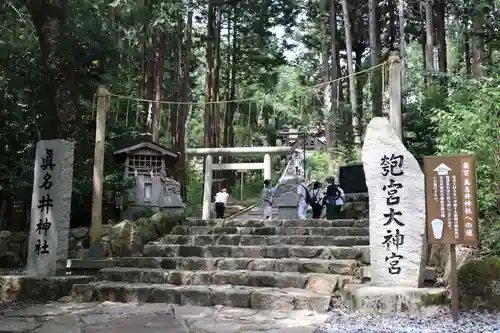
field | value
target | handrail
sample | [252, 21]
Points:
[283, 173]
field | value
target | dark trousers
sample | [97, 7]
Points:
[317, 209]
[219, 210]
[333, 211]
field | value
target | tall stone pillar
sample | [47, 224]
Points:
[50, 207]
[207, 189]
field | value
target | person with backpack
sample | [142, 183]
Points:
[334, 200]
[317, 199]
[304, 198]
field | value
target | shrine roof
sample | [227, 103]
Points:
[147, 145]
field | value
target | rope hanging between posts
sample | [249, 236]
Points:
[254, 99]
[275, 104]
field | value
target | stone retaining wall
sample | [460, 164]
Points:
[22, 288]
[123, 239]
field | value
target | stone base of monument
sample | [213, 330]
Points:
[287, 212]
[390, 300]
[356, 197]
[17, 288]
[430, 275]
[172, 210]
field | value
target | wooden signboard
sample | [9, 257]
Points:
[451, 200]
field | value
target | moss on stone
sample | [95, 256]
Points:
[433, 299]
[479, 284]
[165, 222]
[147, 229]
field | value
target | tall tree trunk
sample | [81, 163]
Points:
[208, 114]
[227, 108]
[327, 101]
[429, 31]
[402, 48]
[441, 36]
[334, 75]
[183, 116]
[176, 78]
[467, 53]
[360, 83]
[423, 42]
[149, 63]
[352, 79]
[231, 71]
[376, 82]
[477, 47]
[216, 75]
[158, 90]
[392, 23]
[60, 117]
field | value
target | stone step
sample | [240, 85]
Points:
[280, 223]
[301, 265]
[271, 231]
[209, 295]
[313, 281]
[256, 240]
[361, 253]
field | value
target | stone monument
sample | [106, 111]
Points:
[287, 198]
[172, 200]
[397, 208]
[50, 207]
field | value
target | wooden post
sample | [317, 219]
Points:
[241, 185]
[454, 282]
[100, 135]
[395, 93]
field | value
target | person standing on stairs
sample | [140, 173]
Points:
[221, 200]
[334, 200]
[304, 198]
[267, 199]
[317, 200]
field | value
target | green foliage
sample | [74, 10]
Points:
[489, 233]
[317, 166]
[252, 188]
[478, 283]
[106, 42]
[468, 124]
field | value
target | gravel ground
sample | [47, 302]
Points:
[342, 321]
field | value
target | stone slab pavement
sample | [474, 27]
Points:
[109, 317]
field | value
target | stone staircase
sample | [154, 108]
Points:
[265, 265]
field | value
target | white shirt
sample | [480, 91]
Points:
[318, 193]
[222, 197]
[301, 192]
[340, 200]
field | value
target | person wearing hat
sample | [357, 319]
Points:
[221, 199]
